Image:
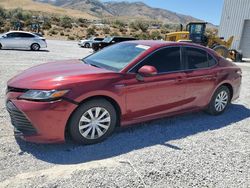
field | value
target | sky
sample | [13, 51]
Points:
[207, 10]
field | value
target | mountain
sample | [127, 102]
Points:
[44, 8]
[93, 7]
[141, 10]
[122, 9]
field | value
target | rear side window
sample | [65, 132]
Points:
[211, 61]
[98, 39]
[26, 35]
[196, 58]
[165, 60]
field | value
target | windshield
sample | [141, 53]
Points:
[107, 39]
[116, 57]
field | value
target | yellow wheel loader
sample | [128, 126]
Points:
[195, 32]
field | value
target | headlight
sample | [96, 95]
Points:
[43, 95]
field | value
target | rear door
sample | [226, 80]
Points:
[26, 39]
[201, 76]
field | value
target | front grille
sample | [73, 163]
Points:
[19, 121]
[18, 90]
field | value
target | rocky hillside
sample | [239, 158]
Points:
[141, 10]
[122, 9]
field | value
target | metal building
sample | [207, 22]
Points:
[235, 21]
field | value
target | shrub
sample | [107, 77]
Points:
[82, 20]
[91, 31]
[142, 26]
[114, 34]
[53, 32]
[2, 12]
[156, 35]
[62, 33]
[71, 37]
[139, 26]
[66, 22]
[106, 30]
[123, 30]
[46, 25]
[1, 22]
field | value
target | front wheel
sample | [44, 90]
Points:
[87, 45]
[93, 121]
[219, 101]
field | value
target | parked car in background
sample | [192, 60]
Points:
[123, 84]
[22, 40]
[88, 42]
[109, 41]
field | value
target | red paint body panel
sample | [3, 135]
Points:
[154, 97]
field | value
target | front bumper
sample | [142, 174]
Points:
[39, 122]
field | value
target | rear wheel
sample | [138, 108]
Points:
[219, 101]
[93, 121]
[1, 46]
[35, 47]
[221, 50]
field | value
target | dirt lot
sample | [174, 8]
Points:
[193, 150]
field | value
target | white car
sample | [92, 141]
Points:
[88, 42]
[22, 40]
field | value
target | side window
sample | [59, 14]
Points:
[165, 60]
[11, 35]
[196, 58]
[116, 40]
[26, 35]
[211, 61]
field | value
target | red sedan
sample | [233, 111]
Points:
[123, 84]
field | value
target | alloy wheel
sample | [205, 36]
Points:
[221, 101]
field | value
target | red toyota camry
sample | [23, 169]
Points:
[123, 84]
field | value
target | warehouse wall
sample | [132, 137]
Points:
[234, 14]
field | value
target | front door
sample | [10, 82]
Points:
[159, 94]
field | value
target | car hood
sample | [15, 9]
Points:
[55, 75]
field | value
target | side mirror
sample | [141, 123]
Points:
[147, 70]
[4, 36]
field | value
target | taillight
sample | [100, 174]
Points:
[44, 40]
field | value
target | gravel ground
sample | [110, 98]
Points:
[193, 150]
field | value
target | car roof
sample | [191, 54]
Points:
[20, 32]
[161, 43]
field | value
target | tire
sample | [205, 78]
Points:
[87, 45]
[1, 46]
[35, 47]
[216, 107]
[81, 125]
[221, 50]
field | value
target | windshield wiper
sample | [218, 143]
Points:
[94, 65]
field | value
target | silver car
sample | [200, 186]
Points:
[22, 40]
[88, 42]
